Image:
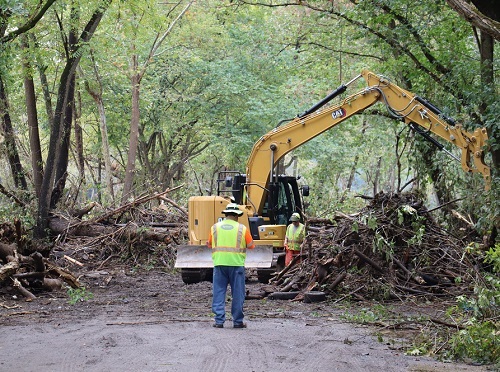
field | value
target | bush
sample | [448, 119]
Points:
[479, 341]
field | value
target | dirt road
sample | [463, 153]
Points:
[151, 321]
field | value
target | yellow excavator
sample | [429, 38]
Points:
[268, 199]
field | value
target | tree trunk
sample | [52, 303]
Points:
[486, 46]
[66, 121]
[97, 96]
[376, 180]
[56, 129]
[77, 114]
[488, 81]
[10, 140]
[105, 148]
[135, 80]
[34, 135]
[134, 131]
[63, 148]
[478, 19]
[44, 83]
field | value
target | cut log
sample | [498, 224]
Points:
[19, 287]
[337, 281]
[79, 213]
[38, 260]
[7, 270]
[68, 278]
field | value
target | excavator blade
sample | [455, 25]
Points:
[200, 256]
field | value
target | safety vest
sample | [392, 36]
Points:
[294, 236]
[229, 247]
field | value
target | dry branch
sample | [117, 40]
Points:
[368, 260]
[175, 205]
[128, 232]
[130, 205]
[7, 193]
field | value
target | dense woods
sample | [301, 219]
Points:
[115, 99]
[108, 101]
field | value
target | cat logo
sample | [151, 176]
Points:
[337, 114]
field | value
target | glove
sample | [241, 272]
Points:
[286, 246]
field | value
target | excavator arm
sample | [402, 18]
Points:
[402, 104]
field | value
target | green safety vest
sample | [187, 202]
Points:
[229, 247]
[294, 236]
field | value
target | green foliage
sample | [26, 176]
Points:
[417, 238]
[371, 222]
[375, 313]
[25, 215]
[418, 349]
[236, 71]
[488, 211]
[486, 302]
[492, 257]
[381, 244]
[228, 72]
[479, 340]
[79, 295]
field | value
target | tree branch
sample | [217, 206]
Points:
[7, 193]
[28, 25]
[476, 18]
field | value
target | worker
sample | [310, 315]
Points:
[294, 237]
[229, 241]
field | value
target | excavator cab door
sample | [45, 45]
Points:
[283, 200]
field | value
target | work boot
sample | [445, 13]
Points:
[241, 325]
[218, 325]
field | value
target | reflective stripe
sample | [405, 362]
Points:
[229, 249]
[240, 236]
[214, 235]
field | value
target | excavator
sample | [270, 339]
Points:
[268, 198]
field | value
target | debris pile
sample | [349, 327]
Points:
[128, 233]
[389, 250]
[28, 274]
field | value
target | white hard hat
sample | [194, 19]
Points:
[232, 208]
[295, 217]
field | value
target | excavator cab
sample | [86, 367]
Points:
[282, 197]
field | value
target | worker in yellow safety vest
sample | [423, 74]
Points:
[294, 237]
[229, 241]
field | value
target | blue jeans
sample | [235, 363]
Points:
[235, 277]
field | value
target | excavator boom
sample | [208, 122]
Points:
[401, 104]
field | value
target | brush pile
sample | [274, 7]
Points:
[391, 249]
